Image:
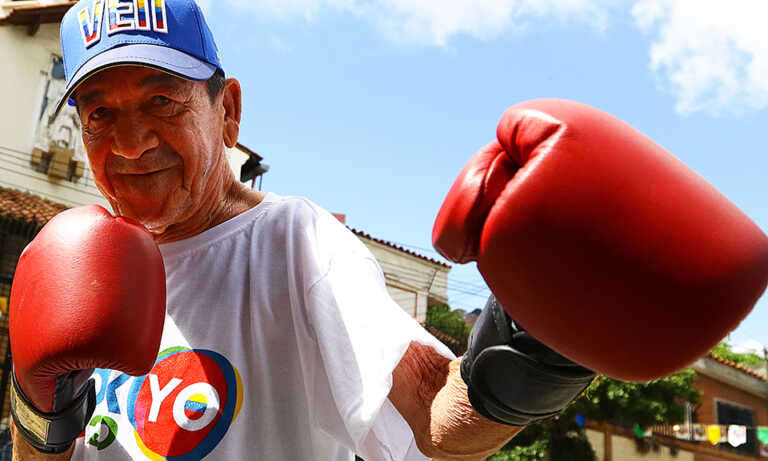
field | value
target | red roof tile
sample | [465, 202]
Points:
[360, 233]
[22, 206]
[28, 208]
[735, 365]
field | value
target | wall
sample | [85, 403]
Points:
[412, 281]
[612, 443]
[597, 440]
[720, 382]
[712, 389]
[236, 158]
[23, 81]
[26, 62]
[625, 449]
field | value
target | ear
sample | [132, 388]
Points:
[232, 100]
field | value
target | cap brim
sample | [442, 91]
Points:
[159, 57]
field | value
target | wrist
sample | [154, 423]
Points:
[509, 387]
[511, 377]
[51, 433]
[23, 451]
[458, 431]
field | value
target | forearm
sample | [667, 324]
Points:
[445, 425]
[457, 430]
[22, 451]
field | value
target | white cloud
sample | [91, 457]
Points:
[749, 345]
[435, 22]
[713, 55]
[710, 54]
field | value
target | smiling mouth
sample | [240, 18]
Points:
[144, 173]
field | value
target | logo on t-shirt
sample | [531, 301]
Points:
[179, 411]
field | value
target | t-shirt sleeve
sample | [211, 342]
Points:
[360, 335]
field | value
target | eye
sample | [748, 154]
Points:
[99, 113]
[160, 101]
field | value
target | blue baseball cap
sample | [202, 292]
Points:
[169, 35]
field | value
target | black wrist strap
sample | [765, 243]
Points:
[511, 377]
[52, 433]
[508, 387]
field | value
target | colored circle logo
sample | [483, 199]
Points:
[181, 410]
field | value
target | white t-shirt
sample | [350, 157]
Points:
[279, 343]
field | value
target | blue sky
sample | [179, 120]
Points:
[371, 107]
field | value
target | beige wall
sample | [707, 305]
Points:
[411, 280]
[625, 449]
[597, 440]
[27, 64]
[407, 299]
[236, 159]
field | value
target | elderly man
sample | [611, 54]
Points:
[277, 339]
[277, 315]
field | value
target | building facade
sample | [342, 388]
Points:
[731, 394]
[414, 281]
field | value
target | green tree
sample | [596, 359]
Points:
[449, 322]
[606, 400]
[749, 359]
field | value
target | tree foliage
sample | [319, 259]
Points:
[749, 359]
[449, 322]
[647, 404]
[660, 402]
[606, 400]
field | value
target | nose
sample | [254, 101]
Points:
[133, 136]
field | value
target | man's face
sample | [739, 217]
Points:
[153, 141]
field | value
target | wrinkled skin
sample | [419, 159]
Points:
[155, 143]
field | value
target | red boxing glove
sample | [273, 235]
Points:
[88, 292]
[600, 243]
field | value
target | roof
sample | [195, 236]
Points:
[248, 151]
[360, 233]
[444, 338]
[451, 343]
[25, 208]
[741, 368]
[32, 13]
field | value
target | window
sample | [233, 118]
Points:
[57, 149]
[729, 413]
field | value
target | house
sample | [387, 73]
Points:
[42, 152]
[414, 281]
[731, 394]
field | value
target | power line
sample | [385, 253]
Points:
[416, 247]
